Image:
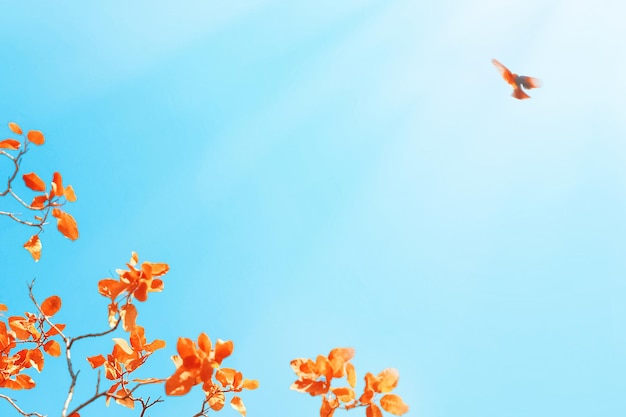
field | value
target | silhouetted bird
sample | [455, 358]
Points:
[517, 81]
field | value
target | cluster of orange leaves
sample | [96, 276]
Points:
[315, 377]
[200, 364]
[194, 364]
[46, 203]
[33, 333]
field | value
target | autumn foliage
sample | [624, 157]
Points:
[46, 202]
[27, 340]
[315, 377]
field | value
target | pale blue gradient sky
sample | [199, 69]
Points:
[346, 173]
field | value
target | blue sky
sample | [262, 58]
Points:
[346, 173]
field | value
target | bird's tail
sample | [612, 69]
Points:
[519, 94]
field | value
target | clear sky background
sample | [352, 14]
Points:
[336, 173]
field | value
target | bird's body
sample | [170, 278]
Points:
[517, 81]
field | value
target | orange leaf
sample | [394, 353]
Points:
[250, 384]
[124, 397]
[24, 381]
[15, 128]
[180, 383]
[148, 380]
[69, 194]
[36, 137]
[344, 353]
[158, 269]
[216, 401]
[52, 348]
[351, 374]
[237, 404]
[74, 415]
[20, 327]
[344, 394]
[367, 396]
[225, 376]
[55, 330]
[393, 404]
[3, 307]
[51, 305]
[185, 347]
[96, 361]
[222, 350]
[204, 343]
[33, 182]
[372, 410]
[11, 144]
[128, 313]
[34, 247]
[387, 380]
[154, 345]
[35, 358]
[39, 202]
[66, 224]
[57, 185]
[111, 288]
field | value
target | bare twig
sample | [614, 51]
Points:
[19, 410]
[16, 164]
[145, 404]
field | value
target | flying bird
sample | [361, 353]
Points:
[517, 81]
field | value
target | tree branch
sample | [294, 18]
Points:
[19, 410]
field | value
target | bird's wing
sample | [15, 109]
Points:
[529, 82]
[504, 71]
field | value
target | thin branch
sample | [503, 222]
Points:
[24, 222]
[19, 410]
[16, 163]
[104, 333]
[147, 404]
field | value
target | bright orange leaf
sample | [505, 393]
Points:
[36, 137]
[15, 128]
[111, 288]
[393, 404]
[351, 374]
[216, 401]
[223, 349]
[387, 380]
[238, 405]
[35, 359]
[52, 348]
[125, 398]
[250, 384]
[69, 194]
[57, 185]
[66, 224]
[344, 394]
[55, 330]
[24, 381]
[33, 182]
[33, 245]
[51, 305]
[180, 383]
[128, 313]
[3, 307]
[96, 361]
[372, 410]
[23, 328]
[11, 144]
[39, 202]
